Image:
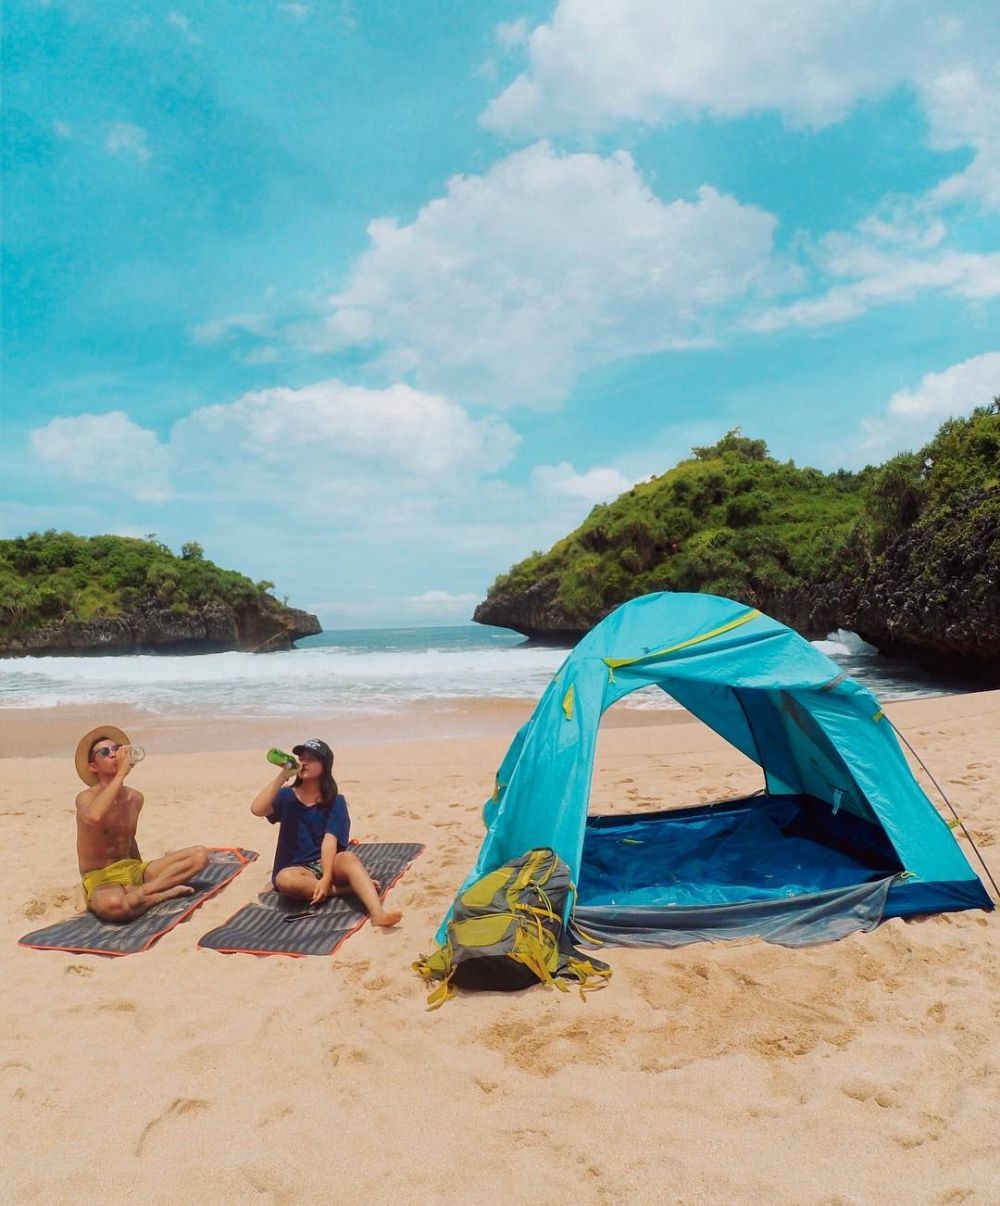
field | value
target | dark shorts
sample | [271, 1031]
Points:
[316, 867]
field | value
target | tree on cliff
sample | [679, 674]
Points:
[909, 549]
[54, 576]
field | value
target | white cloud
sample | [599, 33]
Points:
[338, 436]
[955, 391]
[598, 485]
[215, 330]
[443, 601]
[883, 278]
[514, 282]
[383, 471]
[913, 415]
[63, 129]
[298, 11]
[512, 33]
[179, 21]
[126, 139]
[891, 256]
[106, 452]
[597, 64]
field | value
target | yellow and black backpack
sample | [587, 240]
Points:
[506, 933]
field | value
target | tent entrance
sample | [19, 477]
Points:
[739, 865]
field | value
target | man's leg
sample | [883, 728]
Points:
[112, 902]
[350, 870]
[174, 869]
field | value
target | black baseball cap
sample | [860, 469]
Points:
[317, 748]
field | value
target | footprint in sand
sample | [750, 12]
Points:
[420, 899]
[265, 1184]
[529, 1137]
[79, 969]
[119, 1006]
[180, 1107]
[277, 1113]
[13, 1080]
[353, 972]
[38, 906]
[347, 1055]
[867, 1090]
[553, 1044]
[931, 1128]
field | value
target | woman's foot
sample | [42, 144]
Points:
[385, 919]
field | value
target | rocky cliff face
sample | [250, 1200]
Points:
[932, 596]
[213, 628]
[535, 612]
[935, 593]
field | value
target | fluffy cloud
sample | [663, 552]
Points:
[438, 601]
[597, 64]
[179, 21]
[338, 434]
[126, 139]
[873, 273]
[912, 415]
[328, 449]
[955, 391]
[106, 453]
[514, 282]
[598, 485]
[216, 330]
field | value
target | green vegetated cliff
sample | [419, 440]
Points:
[61, 593]
[907, 554]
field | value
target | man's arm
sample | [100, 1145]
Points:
[93, 810]
[134, 850]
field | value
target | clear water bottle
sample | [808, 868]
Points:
[135, 754]
[280, 758]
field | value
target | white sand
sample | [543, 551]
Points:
[863, 1071]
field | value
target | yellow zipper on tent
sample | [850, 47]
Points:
[615, 663]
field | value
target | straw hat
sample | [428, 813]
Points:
[83, 749]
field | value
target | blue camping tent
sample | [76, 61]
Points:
[841, 837]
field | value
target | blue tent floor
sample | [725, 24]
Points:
[759, 849]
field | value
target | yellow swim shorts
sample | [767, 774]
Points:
[127, 871]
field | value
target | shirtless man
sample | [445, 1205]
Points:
[118, 885]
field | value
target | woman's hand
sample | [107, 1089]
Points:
[322, 891]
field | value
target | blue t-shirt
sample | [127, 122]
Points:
[303, 828]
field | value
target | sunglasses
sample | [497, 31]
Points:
[106, 751]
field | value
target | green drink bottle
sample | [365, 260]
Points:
[280, 758]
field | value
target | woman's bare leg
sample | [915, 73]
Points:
[349, 870]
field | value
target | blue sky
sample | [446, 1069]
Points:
[373, 299]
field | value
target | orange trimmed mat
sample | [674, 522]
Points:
[86, 934]
[275, 925]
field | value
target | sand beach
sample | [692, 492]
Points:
[865, 1070]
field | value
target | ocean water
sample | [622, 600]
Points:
[372, 671]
